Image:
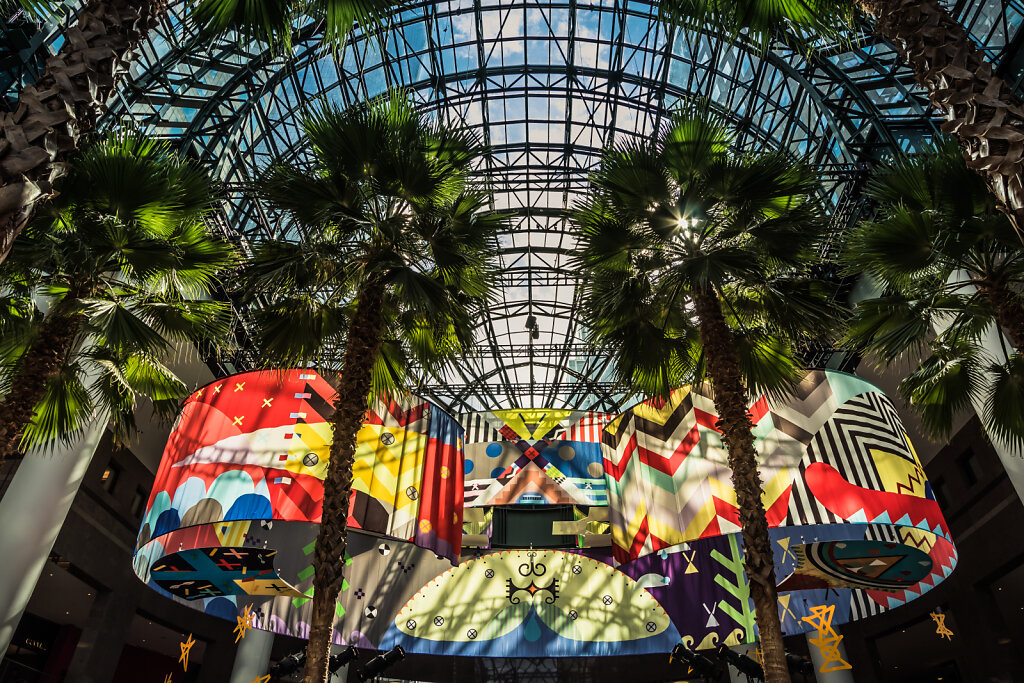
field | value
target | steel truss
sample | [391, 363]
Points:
[547, 84]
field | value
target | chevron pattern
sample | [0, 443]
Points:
[667, 472]
[834, 452]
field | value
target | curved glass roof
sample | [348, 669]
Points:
[547, 84]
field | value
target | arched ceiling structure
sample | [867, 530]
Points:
[547, 84]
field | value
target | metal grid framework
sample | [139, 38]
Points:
[547, 84]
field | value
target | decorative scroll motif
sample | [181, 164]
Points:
[507, 604]
[537, 569]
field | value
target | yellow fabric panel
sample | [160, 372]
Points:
[386, 471]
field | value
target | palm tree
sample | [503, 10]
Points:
[980, 109]
[65, 103]
[693, 259]
[945, 258]
[126, 266]
[393, 263]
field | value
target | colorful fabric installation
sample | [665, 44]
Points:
[231, 526]
[527, 603]
[853, 518]
[534, 456]
[255, 446]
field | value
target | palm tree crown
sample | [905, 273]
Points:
[944, 258]
[683, 217]
[273, 21]
[386, 204]
[693, 258]
[126, 265]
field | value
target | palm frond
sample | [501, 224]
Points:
[943, 385]
[1003, 395]
[137, 179]
[794, 22]
[63, 410]
[268, 21]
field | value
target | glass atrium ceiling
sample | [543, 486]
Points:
[547, 84]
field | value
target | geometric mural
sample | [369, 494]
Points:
[233, 519]
[853, 518]
[534, 456]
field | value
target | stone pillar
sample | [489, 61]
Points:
[843, 676]
[252, 658]
[32, 512]
[99, 647]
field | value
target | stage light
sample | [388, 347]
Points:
[698, 664]
[342, 658]
[381, 662]
[289, 664]
[744, 664]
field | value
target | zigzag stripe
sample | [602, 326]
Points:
[631, 422]
[844, 442]
[667, 464]
[901, 487]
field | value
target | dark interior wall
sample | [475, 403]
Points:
[984, 597]
[95, 545]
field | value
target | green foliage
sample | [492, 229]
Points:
[387, 201]
[794, 22]
[944, 258]
[274, 21]
[680, 215]
[123, 251]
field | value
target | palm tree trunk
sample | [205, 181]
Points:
[1008, 308]
[40, 364]
[730, 394]
[54, 113]
[364, 339]
[980, 109]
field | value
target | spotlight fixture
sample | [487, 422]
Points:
[381, 662]
[289, 664]
[698, 664]
[342, 658]
[531, 322]
[744, 664]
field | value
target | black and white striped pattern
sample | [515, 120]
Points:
[861, 605]
[478, 428]
[865, 422]
[882, 533]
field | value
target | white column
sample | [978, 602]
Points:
[996, 346]
[252, 658]
[842, 676]
[31, 515]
